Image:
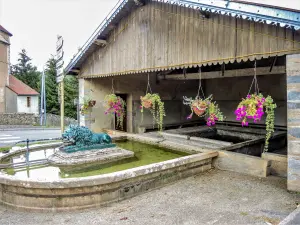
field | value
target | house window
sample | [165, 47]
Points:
[28, 102]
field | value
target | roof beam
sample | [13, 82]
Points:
[139, 2]
[75, 71]
[100, 42]
[251, 11]
[227, 73]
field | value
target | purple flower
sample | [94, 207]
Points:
[248, 96]
[189, 117]
[244, 123]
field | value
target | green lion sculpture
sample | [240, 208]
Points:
[81, 138]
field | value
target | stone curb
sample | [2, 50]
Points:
[33, 147]
[292, 219]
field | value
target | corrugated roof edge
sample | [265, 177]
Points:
[255, 12]
[5, 31]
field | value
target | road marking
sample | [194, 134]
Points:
[5, 135]
[10, 138]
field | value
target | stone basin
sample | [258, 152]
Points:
[96, 156]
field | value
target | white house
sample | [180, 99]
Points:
[21, 98]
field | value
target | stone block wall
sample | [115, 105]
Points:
[32, 119]
[17, 119]
[54, 120]
[293, 120]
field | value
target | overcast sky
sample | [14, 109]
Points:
[35, 24]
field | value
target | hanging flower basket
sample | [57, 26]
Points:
[204, 107]
[146, 103]
[115, 105]
[92, 103]
[199, 107]
[254, 107]
[87, 105]
[156, 107]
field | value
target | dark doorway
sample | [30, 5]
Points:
[124, 97]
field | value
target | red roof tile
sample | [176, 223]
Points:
[5, 31]
[19, 87]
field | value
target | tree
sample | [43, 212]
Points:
[52, 90]
[71, 93]
[51, 87]
[25, 72]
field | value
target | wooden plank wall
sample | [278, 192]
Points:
[161, 36]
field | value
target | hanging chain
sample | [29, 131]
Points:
[148, 85]
[254, 81]
[112, 86]
[200, 85]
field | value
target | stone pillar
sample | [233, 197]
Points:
[293, 121]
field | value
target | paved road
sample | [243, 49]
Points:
[9, 137]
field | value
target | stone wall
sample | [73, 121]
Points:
[293, 110]
[54, 120]
[11, 101]
[17, 119]
[4, 59]
[32, 119]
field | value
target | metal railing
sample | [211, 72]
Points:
[28, 163]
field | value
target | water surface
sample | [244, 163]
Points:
[144, 155]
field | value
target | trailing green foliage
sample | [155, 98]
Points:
[204, 108]
[253, 107]
[115, 105]
[156, 107]
[88, 103]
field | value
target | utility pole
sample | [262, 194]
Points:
[45, 110]
[60, 78]
[43, 115]
[42, 99]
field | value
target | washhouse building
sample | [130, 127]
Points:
[235, 47]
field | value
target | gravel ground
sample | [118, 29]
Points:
[214, 197]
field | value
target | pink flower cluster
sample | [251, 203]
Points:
[241, 112]
[115, 108]
[211, 120]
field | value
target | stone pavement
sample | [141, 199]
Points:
[214, 197]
